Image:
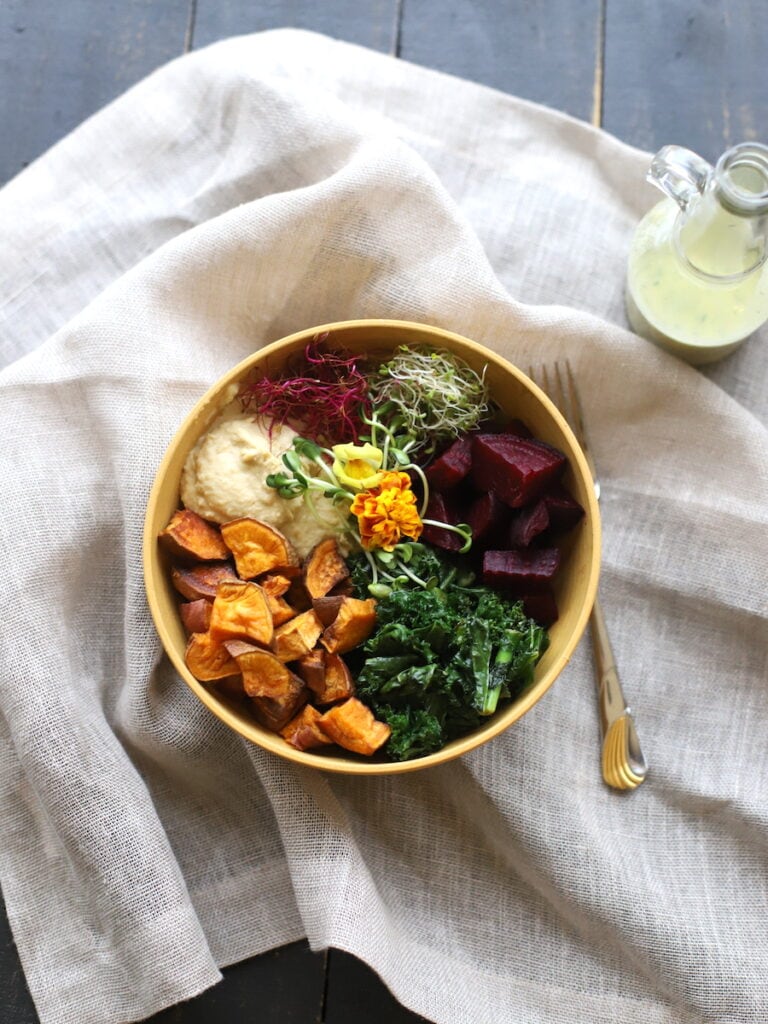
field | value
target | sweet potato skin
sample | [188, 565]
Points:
[303, 731]
[275, 712]
[354, 728]
[189, 536]
[327, 608]
[324, 568]
[196, 615]
[311, 668]
[201, 581]
[333, 682]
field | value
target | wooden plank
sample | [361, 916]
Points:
[371, 23]
[355, 993]
[285, 985]
[546, 50]
[690, 74]
[60, 62]
[15, 999]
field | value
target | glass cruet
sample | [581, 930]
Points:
[697, 277]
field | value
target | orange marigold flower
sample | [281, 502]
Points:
[387, 512]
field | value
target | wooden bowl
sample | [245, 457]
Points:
[518, 396]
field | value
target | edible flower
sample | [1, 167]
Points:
[387, 512]
[357, 466]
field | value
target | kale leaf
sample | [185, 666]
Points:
[443, 657]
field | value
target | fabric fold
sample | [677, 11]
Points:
[267, 184]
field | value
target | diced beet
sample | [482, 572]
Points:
[564, 511]
[487, 518]
[516, 427]
[527, 524]
[520, 571]
[516, 468]
[451, 466]
[541, 607]
[441, 509]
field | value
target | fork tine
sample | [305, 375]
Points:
[570, 406]
[577, 415]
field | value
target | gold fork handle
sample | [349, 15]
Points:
[610, 696]
[630, 763]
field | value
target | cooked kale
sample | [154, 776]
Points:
[442, 658]
[415, 732]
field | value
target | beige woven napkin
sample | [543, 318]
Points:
[263, 185]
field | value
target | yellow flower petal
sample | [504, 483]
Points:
[357, 466]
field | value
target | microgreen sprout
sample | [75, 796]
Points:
[322, 394]
[430, 395]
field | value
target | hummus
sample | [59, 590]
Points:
[225, 476]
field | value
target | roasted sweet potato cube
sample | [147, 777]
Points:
[238, 647]
[189, 536]
[275, 584]
[229, 686]
[196, 615]
[311, 668]
[280, 610]
[352, 625]
[208, 659]
[337, 682]
[303, 732]
[324, 568]
[295, 638]
[327, 608]
[240, 612]
[276, 712]
[297, 597]
[345, 588]
[201, 581]
[257, 547]
[353, 727]
[264, 675]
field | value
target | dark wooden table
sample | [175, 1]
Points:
[683, 71]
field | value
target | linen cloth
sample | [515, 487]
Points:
[270, 183]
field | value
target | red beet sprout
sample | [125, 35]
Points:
[323, 397]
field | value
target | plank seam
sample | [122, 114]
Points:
[599, 80]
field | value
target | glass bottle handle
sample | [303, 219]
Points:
[680, 174]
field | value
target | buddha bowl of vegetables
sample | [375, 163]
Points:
[413, 568]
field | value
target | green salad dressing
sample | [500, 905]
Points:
[697, 276]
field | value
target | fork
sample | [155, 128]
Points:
[623, 763]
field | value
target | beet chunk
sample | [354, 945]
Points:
[487, 518]
[516, 427]
[451, 466]
[516, 468]
[443, 510]
[564, 511]
[527, 524]
[541, 607]
[520, 571]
